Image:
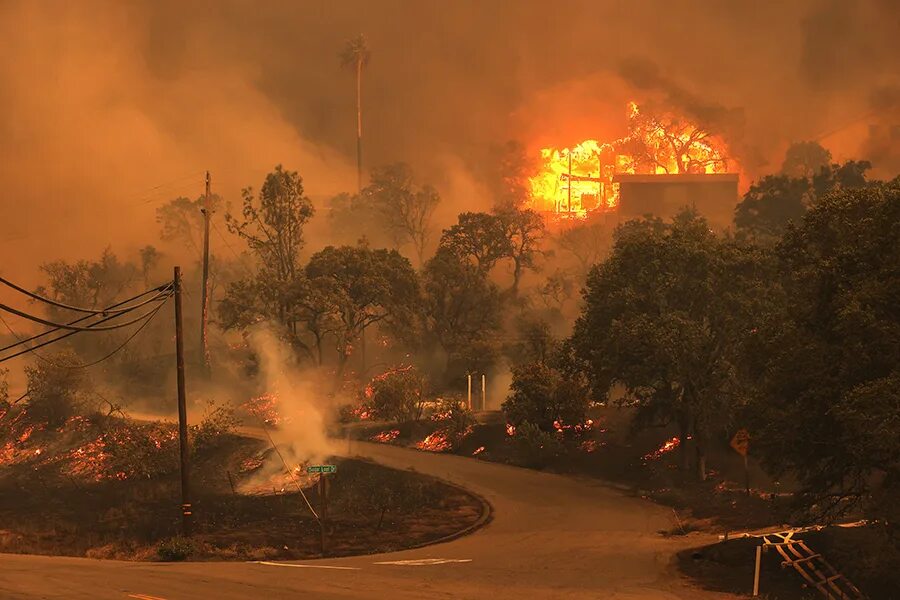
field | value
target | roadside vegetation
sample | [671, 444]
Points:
[633, 352]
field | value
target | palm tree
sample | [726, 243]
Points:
[356, 56]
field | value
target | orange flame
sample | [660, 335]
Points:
[667, 446]
[571, 182]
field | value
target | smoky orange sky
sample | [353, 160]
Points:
[107, 109]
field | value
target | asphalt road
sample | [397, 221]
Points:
[551, 537]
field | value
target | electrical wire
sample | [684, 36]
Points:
[86, 365]
[290, 472]
[162, 290]
[48, 342]
[30, 317]
[40, 298]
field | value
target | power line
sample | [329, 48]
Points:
[40, 298]
[231, 248]
[162, 290]
[86, 365]
[31, 317]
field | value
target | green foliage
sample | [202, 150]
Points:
[181, 220]
[272, 225]
[406, 212]
[175, 549]
[56, 390]
[219, 421]
[776, 200]
[666, 317]
[455, 417]
[536, 447]
[463, 310]
[805, 159]
[138, 450]
[542, 395]
[397, 395]
[477, 238]
[534, 341]
[825, 359]
[524, 231]
[363, 287]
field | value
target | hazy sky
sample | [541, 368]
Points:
[109, 108]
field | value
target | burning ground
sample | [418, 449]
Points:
[108, 487]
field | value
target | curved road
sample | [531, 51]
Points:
[551, 537]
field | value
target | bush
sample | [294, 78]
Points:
[536, 447]
[542, 394]
[175, 549]
[397, 395]
[218, 422]
[455, 417]
[56, 389]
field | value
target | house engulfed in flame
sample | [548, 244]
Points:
[587, 178]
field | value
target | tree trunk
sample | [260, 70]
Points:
[701, 457]
[684, 430]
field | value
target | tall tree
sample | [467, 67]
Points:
[463, 311]
[405, 211]
[367, 287]
[805, 159]
[478, 237]
[665, 316]
[355, 56]
[525, 233]
[272, 225]
[827, 407]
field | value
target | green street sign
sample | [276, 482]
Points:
[321, 469]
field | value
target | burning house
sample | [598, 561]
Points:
[665, 162]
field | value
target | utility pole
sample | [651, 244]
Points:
[184, 451]
[204, 294]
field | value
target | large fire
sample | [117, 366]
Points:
[572, 182]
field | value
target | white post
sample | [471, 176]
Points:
[469, 377]
[756, 572]
[483, 394]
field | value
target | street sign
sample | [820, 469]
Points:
[741, 442]
[321, 469]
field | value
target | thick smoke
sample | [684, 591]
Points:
[107, 108]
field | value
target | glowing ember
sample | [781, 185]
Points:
[572, 182]
[668, 446]
[386, 436]
[363, 413]
[438, 441]
[264, 407]
[478, 450]
[591, 445]
[578, 428]
[510, 429]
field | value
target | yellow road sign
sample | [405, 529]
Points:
[741, 442]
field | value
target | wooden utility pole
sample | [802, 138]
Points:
[184, 450]
[359, 66]
[204, 294]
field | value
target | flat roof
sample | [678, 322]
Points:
[677, 178]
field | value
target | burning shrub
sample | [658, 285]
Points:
[455, 417]
[218, 422]
[543, 395]
[397, 395]
[536, 447]
[127, 450]
[55, 389]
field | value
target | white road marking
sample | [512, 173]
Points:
[299, 566]
[422, 562]
[145, 597]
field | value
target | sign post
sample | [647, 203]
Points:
[741, 444]
[322, 470]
